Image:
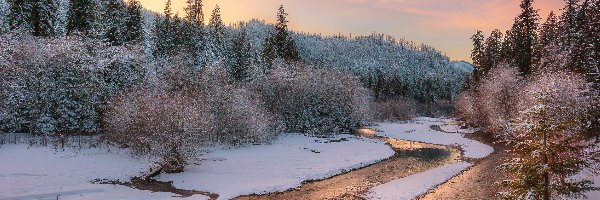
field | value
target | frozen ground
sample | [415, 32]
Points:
[44, 173]
[278, 167]
[419, 130]
[412, 186]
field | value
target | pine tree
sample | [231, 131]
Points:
[547, 45]
[83, 17]
[524, 36]
[216, 34]
[37, 16]
[163, 29]
[134, 22]
[568, 23]
[477, 55]
[194, 36]
[491, 53]
[194, 13]
[549, 154]
[115, 18]
[280, 44]
[241, 57]
[3, 16]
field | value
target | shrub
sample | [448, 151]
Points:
[316, 101]
[498, 95]
[239, 114]
[397, 109]
[168, 124]
[185, 114]
[466, 108]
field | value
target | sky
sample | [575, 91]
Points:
[446, 25]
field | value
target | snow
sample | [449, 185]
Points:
[412, 186]
[280, 166]
[420, 130]
[45, 173]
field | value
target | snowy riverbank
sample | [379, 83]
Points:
[45, 173]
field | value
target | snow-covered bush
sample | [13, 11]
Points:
[240, 116]
[498, 95]
[185, 113]
[171, 123]
[569, 97]
[466, 108]
[316, 101]
[397, 109]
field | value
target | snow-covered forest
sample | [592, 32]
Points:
[536, 88]
[177, 97]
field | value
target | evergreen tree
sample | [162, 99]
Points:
[134, 22]
[83, 17]
[115, 18]
[163, 29]
[241, 57]
[508, 48]
[549, 154]
[491, 53]
[194, 36]
[3, 16]
[194, 13]
[524, 36]
[586, 56]
[216, 34]
[280, 43]
[568, 23]
[547, 45]
[37, 16]
[581, 52]
[477, 54]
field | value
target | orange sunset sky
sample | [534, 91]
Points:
[445, 24]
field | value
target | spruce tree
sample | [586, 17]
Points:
[115, 17]
[194, 36]
[547, 45]
[194, 12]
[568, 23]
[163, 28]
[83, 17]
[241, 57]
[134, 22]
[477, 54]
[549, 154]
[491, 53]
[36, 16]
[280, 44]
[587, 54]
[216, 34]
[524, 35]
